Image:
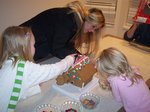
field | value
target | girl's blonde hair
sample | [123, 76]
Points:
[114, 62]
[15, 42]
[94, 16]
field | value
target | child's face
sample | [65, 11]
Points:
[32, 42]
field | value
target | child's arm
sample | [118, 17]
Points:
[103, 83]
[36, 73]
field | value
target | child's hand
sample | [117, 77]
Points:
[104, 84]
[76, 57]
[93, 61]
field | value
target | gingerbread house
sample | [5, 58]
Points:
[79, 74]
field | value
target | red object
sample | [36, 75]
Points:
[143, 12]
[71, 110]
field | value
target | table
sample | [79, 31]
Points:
[50, 95]
[107, 102]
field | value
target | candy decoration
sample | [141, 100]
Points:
[71, 110]
[75, 70]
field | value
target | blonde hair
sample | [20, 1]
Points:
[114, 62]
[15, 42]
[79, 11]
[94, 16]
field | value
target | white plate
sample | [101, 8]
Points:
[71, 106]
[47, 108]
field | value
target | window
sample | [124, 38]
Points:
[107, 6]
[133, 6]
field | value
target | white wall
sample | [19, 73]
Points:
[15, 12]
[120, 20]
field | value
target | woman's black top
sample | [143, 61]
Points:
[53, 29]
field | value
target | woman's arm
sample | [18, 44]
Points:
[129, 35]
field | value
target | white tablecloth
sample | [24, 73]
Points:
[49, 95]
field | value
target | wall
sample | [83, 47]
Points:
[120, 26]
[15, 12]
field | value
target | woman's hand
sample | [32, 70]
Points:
[131, 31]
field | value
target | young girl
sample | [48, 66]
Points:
[125, 81]
[19, 76]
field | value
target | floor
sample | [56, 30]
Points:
[137, 56]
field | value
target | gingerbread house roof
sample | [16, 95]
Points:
[82, 70]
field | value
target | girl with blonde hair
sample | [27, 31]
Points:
[127, 85]
[19, 75]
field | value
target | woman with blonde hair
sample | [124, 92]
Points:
[127, 85]
[66, 30]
